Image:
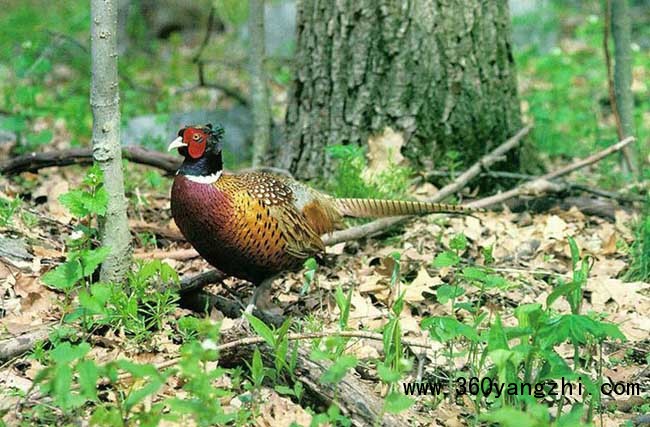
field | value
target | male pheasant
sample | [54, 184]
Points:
[254, 226]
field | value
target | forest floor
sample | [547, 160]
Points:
[530, 252]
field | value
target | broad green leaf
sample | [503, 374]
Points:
[387, 374]
[261, 329]
[397, 402]
[65, 353]
[458, 242]
[474, 273]
[98, 202]
[563, 289]
[510, 417]
[138, 395]
[497, 338]
[91, 258]
[74, 201]
[444, 329]
[283, 389]
[88, 376]
[446, 259]
[446, 293]
[138, 370]
[65, 276]
[257, 367]
[339, 368]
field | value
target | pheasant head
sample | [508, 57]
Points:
[201, 147]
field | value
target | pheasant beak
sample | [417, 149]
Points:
[177, 143]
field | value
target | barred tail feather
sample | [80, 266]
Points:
[377, 208]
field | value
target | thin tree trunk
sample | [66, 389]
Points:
[105, 103]
[259, 92]
[623, 76]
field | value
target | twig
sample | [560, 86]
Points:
[462, 180]
[542, 183]
[32, 162]
[180, 254]
[206, 37]
[200, 63]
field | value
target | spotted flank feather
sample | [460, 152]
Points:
[377, 208]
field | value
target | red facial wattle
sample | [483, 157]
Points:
[196, 141]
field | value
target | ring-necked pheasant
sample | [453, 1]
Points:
[254, 226]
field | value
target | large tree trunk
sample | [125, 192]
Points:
[439, 71]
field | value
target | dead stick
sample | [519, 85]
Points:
[20, 344]
[180, 254]
[542, 181]
[458, 183]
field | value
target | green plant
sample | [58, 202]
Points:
[639, 268]
[88, 205]
[566, 86]
[525, 353]
[349, 177]
[395, 363]
[8, 208]
[138, 309]
[199, 373]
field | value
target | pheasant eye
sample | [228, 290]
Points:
[196, 137]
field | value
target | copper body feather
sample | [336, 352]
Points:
[251, 226]
[256, 225]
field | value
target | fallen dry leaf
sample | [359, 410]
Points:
[384, 150]
[422, 283]
[281, 412]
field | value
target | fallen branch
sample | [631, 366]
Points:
[15, 346]
[379, 225]
[32, 162]
[542, 184]
[569, 186]
[192, 283]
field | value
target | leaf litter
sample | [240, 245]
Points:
[530, 252]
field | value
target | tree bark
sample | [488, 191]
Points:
[441, 72]
[105, 100]
[623, 76]
[259, 92]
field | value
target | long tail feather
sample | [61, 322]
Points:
[377, 208]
